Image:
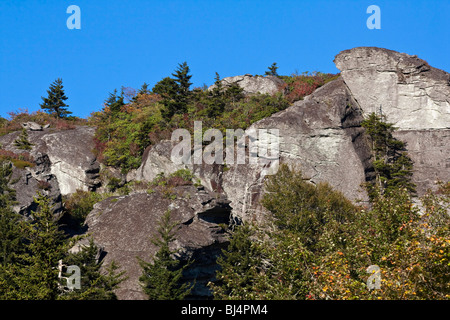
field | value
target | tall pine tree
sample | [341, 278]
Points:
[115, 102]
[176, 91]
[183, 79]
[10, 235]
[55, 102]
[272, 70]
[34, 273]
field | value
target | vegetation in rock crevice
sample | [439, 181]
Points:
[393, 167]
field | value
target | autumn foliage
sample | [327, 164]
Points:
[319, 246]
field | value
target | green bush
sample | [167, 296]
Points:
[80, 203]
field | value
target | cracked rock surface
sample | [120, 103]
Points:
[64, 163]
[412, 94]
[124, 226]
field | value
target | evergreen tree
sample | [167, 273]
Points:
[162, 279]
[176, 91]
[46, 246]
[234, 92]
[95, 285]
[218, 87]
[10, 233]
[22, 141]
[115, 102]
[240, 265]
[272, 70]
[217, 103]
[393, 166]
[166, 87]
[144, 89]
[182, 78]
[54, 103]
[34, 273]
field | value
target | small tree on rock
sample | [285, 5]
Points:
[54, 103]
[272, 70]
[22, 141]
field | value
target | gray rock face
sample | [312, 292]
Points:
[320, 135]
[413, 95]
[30, 180]
[27, 183]
[429, 149]
[123, 227]
[254, 84]
[69, 156]
[156, 159]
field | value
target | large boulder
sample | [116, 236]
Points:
[254, 84]
[71, 156]
[65, 154]
[33, 126]
[156, 159]
[414, 96]
[123, 227]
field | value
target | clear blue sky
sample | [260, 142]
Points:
[127, 43]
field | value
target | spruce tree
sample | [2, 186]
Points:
[11, 236]
[166, 87]
[272, 70]
[32, 274]
[162, 278]
[218, 87]
[10, 233]
[144, 89]
[22, 141]
[393, 166]
[218, 101]
[54, 103]
[115, 102]
[95, 285]
[239, 266]
[38, 275]
[234, 92]
[176, 91]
